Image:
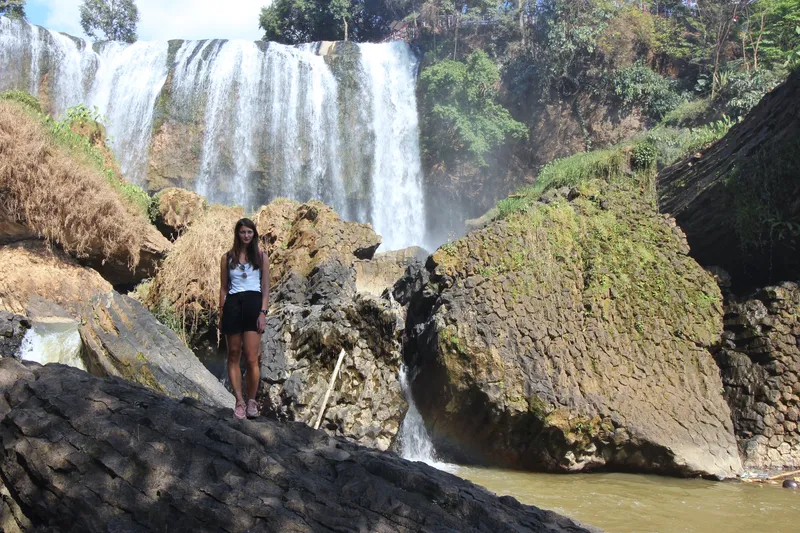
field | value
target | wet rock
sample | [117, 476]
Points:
[123, 339]
[117, 455]
[12, 330]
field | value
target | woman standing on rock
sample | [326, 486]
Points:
[243, 303]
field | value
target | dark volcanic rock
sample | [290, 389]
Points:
[81, 454]
[123, 339]
[12, 330]
[311, 321]
[739, 201]
[760, 364]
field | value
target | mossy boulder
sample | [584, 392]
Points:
[573, 335]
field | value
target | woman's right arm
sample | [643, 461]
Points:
[223, 287]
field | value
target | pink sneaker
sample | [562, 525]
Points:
[239, 410]
[252, 409]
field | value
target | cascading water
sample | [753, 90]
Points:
[415, 444]
[254, 120]
[53, 342]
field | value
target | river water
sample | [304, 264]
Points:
[632, 503]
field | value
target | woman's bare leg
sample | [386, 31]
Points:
[252, 343]
[234, 343]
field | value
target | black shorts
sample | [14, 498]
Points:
[240, 312]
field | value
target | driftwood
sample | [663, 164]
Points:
[83, 454]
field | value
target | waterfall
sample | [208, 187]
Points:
[245, 122]
[415, 444]
[53, 342]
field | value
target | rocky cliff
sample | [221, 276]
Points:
[739, 201]
[573, 335]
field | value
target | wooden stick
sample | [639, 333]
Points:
[330, 389]
[785, 474]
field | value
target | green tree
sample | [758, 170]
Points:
[113, 20]
[462, 120]
[14, 9]
[302, 21]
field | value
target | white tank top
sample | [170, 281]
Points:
[244, 278]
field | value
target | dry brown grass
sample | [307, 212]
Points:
[187, 285]
[59, 196]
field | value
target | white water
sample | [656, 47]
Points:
[57, 342]
[274, 120]
[415, 444]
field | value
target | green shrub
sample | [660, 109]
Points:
[638, 85]
[687, 113]
[742, 90]
[23, 98]
[645, 155]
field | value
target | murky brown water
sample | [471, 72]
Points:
[627, 503]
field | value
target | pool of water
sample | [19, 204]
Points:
[630, 503]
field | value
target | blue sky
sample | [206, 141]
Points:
[162, 19]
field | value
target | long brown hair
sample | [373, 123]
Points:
[253, 255]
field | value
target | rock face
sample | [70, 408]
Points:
[123, 339]
[31, 268]
[12, 330]
[739, 202]
[176, 209]
[311, 320]
[760, 363]
[301, 236]
[571, 337]
[373, 276]
[84, 454]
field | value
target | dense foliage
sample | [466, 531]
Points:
[300, 21]
[14, 9]
[463, 121]
[112, 20]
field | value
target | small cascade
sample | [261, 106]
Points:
[53, 342]
[415, 444]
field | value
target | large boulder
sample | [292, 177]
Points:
[572, 336]
[299, 237]
[311, 320]
[760, 364]
[739, 201]
[32, 268]
[84, 454]
[123, 339]
[176, 209]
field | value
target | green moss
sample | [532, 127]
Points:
[537, 407]
[23, 98]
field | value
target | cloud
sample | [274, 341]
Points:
[176, 19]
